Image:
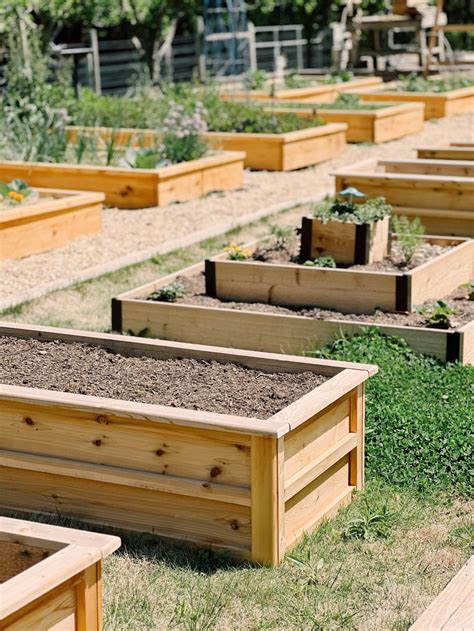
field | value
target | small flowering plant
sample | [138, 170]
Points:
[181, 140]
[15, 193]
[237, 252]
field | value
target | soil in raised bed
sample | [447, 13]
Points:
[195, 294]
[226, 388]
[290, 254]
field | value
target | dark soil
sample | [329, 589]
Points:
[267, 253]
[458, 300]
[225, 388]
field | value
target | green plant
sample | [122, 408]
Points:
[142, 159]
[16, 192]
[347, 212]
[235, 252]
[294, 80]
[339, 77]
[80, 146]
[282, 236]
[438, 315]
[169, 293]
[415, 83]
[322, 261]
[373, 523]
[409, 235]
[469, 290]
[463, 536]
[181, 140]
[255, 79]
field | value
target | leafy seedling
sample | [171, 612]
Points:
[282, 237]
[322, 261]
[438, 315]
[170, 293]
[373, 524]
[409, 235]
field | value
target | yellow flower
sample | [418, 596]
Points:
[17, 197]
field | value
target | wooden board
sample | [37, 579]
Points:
[345, 290]
[436, 105]
[213, 479]
[137, 188]
[446, 153]
[55, 219]
[381, 125]
[453, 609]
[276, 333]
[60, 589]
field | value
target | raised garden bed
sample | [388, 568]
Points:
[279, 330]
[440, 192]
[137, 188]
[450, 152]
[378, 124]
[50, 577]
[51, 220]
[252, 486]
[271, 152]
[350, 290]
[319, 92]
[437, 105]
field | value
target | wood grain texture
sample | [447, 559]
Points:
[446, 153]
[453, 609]
[136, 188]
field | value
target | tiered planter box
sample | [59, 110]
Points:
[346, 290]
[271, 152]
[275, 333]
[317, 93]
[380, 125]
[51, 577]
[252, 487]
[56, 218]
[450, 152]
[437, 105]
[137, 188]
[440, 192]
[346, 243]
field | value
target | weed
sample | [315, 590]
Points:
[322, 261]
[438, 315]
[235, 252]
[463, 536]
[169, 293]
[409, 235]
[373, 523]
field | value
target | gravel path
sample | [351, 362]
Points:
[139, 233]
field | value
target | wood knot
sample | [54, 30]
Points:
[97, 442]
[215, 471]
[159, 452]
[29, 421]
[103, 420]
[234, 524]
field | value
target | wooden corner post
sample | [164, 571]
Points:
[268, 506]
[89, 599]
[357, 426]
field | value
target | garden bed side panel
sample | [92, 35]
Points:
[135, 188]
[442, 168]
[274, 333]
[446, 153]
[284, 152]
[411, 190]
[436, 105]
[49, 224]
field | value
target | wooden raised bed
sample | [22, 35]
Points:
[51, 577]
[271, 152]
[437, 105]
[440, 192]
[450, 152]
[345, 290]
[346, 243]
[56, 218]
[380, 125]
[270, 332]
[252, 487]
[137, 188]
[317, 93]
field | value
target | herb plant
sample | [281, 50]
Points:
[414, 83]
[438, 315]
[322, 261]
[348, 212]
[169, 293]
[409, 235]
[339, 77]
[255, 80]
[181, 139]
[294, 81]
[282, 237]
